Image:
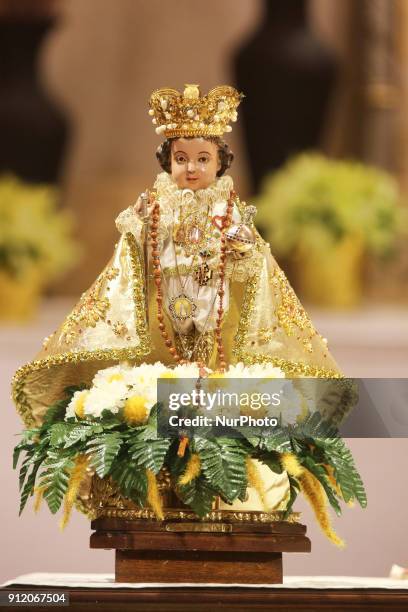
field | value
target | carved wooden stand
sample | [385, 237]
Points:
[199, 552]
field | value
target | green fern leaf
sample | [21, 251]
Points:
[223, 464]
[149, 454]
[103, 450]
[29, 486]
[55, 478]
[294, 492]
[79, 433]
[198, 494]
[59, 433]
[131, 480]
[345, 472]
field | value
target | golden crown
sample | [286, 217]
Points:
[190, 114]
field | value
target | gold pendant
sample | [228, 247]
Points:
[192, 233]
[182, 307]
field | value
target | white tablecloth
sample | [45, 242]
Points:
[103, 581]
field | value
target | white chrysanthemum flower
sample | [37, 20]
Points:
[109, 396]
[187, 370]
[145, 374]
[118, 373]
[75, 407]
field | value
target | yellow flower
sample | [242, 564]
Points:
[135, 411]
[315, 495]
[77, 476]
[193, 470]
[168, 374]
[114, 377]
[153, 495]
[79, 407]
[291, 464]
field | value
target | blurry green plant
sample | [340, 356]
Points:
[316, 202]
[34, 235]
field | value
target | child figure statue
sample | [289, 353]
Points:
[190, 278]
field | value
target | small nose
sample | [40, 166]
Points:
[190, 166]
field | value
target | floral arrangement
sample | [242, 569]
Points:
[110, 430]
[33, 234]
[316, 201]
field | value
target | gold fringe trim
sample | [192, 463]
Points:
[291, 464]
[316, 496]
[153, 495]
[255, 480]
[193, 470]
[77, 476]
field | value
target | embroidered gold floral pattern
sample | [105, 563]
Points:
[20, 389]
[90, 309]
[120, 329]
[266, 334]
[289, 311]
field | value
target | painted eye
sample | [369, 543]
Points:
[180, 159]
[203, 160]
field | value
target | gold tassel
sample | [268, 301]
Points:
[255, 480]
[193, 469]
[78, 473]
[153, 495]
[39, 494]
[330, 474]
[316, 496]
[291, 465]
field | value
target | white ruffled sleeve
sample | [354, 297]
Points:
[129, 221]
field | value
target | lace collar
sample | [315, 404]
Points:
[169, 194]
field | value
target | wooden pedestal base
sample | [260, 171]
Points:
[199, 552]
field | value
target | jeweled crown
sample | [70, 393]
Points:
[191, 115]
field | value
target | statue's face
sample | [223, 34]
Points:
[194, 163]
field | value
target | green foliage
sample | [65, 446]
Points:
[271, 459]
[293, 493]
[54, 479]
[131, 480]
[149, 455]
[198, 494]
[103, 451]
[124, 453]
[340, 458]
[223, 464]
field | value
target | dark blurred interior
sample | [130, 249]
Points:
[75, 78]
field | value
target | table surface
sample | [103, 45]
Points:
[297, 593]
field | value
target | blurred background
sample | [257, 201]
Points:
[321, 147]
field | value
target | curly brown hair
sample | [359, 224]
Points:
[225, 154]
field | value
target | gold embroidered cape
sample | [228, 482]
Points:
[265, 323]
